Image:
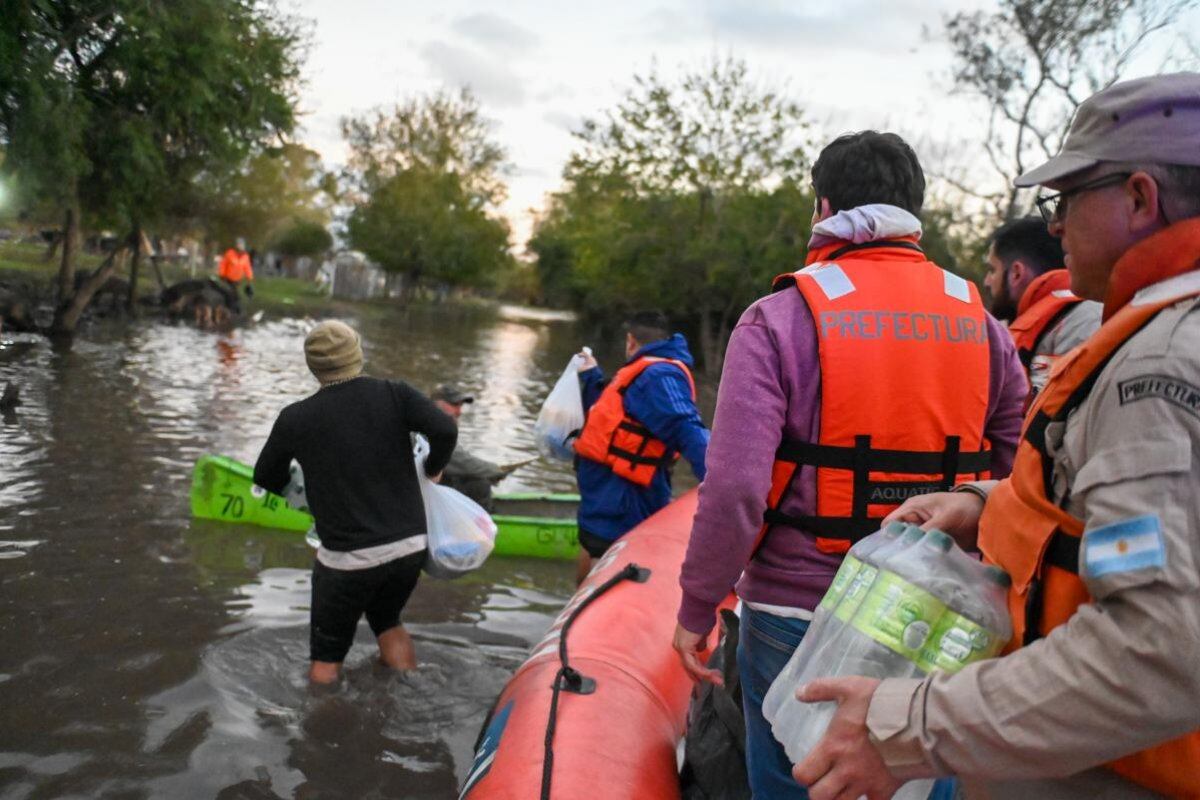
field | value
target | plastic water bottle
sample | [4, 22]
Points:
[929, 606]
[976, 624]
[861, 556]
[780, 706]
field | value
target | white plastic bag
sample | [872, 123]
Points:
[460, 532]
[561, 418]
[294, 493]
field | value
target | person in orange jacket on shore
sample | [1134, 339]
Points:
[235, 267]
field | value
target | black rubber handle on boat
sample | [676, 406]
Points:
[570, 679]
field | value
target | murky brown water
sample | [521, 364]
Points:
[147, 655]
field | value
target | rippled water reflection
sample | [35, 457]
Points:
[149, 655]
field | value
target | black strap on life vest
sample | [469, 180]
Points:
[862, 460]
[1062, 552]
[634, 427]
[1026, 355]
[877, 245]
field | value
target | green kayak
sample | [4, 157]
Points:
[534, 525]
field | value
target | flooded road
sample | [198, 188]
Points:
[147, 655]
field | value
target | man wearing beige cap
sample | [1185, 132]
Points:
[352, 439]
[1099, 524]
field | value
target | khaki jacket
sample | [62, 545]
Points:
[1124, 673]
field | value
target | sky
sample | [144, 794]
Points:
[539, 68]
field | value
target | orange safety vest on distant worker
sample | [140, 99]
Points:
[235, 267]
[1046, 301]
[612, 437]
[905, 371]
[1037, 543]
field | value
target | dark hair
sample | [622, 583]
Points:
[1027, 239]
[648, 326]
[857, 169]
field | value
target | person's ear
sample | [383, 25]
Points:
[822, 209]
[1144, 198]
[1016, 276]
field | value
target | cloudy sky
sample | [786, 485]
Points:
[540, 67]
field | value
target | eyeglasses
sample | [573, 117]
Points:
[1053, 207]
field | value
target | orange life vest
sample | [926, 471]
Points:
[1036, 541]
[1045, 301]
[235, 266]
[891, 327]
[612, 437]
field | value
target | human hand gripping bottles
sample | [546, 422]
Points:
[904, 603]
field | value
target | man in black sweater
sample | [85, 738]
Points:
[352, 439]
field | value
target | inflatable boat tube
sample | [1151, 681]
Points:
[619, 740]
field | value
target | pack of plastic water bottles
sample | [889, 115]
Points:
[904, 603]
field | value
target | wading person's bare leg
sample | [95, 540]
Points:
[324, 672]
[396, 649]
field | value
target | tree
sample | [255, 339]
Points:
[273, 191]
[302, 238]
[1033, 62]
[440, 133]
[685, 195]
[426, 225]
[425, 179]
[108, 107]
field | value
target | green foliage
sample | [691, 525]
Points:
[714, 132]
[302, 238]
[440, 133]
[952, 245]
[426, 224]
[687, 197]
[126, 100]
[424, 177]
[270, 193]
[114, 108]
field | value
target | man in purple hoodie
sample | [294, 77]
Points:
[918, 385]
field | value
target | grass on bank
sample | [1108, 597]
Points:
[25, 263]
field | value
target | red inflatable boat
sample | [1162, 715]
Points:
[619, 709]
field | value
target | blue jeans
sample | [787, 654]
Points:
[765, 644]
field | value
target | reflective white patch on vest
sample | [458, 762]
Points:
[1124, 546]
[834, 282]
[957, 287]
[1065, 294]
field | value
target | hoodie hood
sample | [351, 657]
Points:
[869, 223]
[675, 347]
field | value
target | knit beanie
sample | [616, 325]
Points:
[333, 351]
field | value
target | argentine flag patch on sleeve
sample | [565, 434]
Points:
[1124, 546]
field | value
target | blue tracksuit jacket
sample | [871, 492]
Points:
[660, 399]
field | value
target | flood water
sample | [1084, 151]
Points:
[144, 654]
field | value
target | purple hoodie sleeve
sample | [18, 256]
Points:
[747, 429]
[1006, 398]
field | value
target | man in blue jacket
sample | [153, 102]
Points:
[637, 425]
